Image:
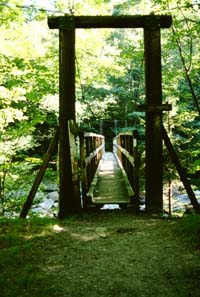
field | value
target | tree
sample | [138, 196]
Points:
[29, 88]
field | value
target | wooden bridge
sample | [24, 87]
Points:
[100, 177]
[110, 177]
[110, 184]
[153, 107]
[105, 178]
[81, 174]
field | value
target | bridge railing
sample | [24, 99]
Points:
[92, 147]
[125, 147]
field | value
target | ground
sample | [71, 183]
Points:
[110, 253]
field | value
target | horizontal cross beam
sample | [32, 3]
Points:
[154, 108]
[123, 21]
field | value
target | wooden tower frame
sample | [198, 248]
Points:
[153, 106]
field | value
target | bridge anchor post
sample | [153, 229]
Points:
[153, 129]
[69, 196]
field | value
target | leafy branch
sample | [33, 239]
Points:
[185, 67]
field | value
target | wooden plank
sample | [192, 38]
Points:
[123, 21]
[153, 128]
[136, 181]
[93, 154]
[181, 171]
[125, 133]
[109, 186]
[126, 153]
[83, 168]
[125, 178]
[134, 160]
[94, 182]
[91, 134]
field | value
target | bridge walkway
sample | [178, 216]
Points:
[110, 184]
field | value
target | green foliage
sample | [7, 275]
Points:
[9, 12]
[28, 99]
[17, 178]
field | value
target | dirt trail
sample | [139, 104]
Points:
[112, 255]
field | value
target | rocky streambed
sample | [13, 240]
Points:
[176, 199]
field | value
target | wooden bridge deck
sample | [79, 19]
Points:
[110, 184]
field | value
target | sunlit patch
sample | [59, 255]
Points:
[108, 165]
[84, 237]
[57, 228]
[107, 173]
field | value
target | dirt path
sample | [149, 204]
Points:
[104, 255]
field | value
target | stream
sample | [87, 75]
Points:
[179, 201]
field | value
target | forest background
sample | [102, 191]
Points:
[109, 83]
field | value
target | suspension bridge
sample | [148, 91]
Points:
[88, 175]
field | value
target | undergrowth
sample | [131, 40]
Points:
[189, 229]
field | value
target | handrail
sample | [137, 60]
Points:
[93, 154]
[91, 134]
[125, 147]
[126, 153]
[91, 151]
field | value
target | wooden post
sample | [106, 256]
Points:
[154, 172]
[136, 169]
[68, 200]
[83, 169]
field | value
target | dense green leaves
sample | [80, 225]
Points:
[28, 77]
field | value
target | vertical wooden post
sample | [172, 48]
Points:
[136, 169]
[154, 171]
[83, 169]
[67, 197]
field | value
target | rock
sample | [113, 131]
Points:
[47, 203]
[55, 205]
[41, 211]
[50, 187]
[52, 196]
[183, 198]
[110, 206]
